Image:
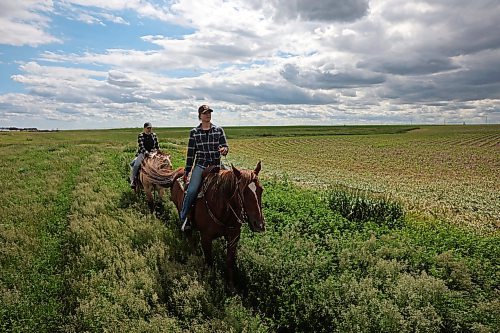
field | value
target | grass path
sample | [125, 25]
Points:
[37, 190]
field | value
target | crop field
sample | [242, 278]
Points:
[368, 229]
[450, 172]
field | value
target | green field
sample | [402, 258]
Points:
[369, 229]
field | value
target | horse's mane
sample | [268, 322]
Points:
[157, 169]
[225, 181]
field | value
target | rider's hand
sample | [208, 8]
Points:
[185, 179]
[223, 151]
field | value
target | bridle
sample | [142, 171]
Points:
[241, 218]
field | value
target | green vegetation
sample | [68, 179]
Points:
[365, 207]
[315, 271]
[369, 229]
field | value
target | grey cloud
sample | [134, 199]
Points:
[452, 28]
[317, 79]
[264, 93]
[409, 64]
[465, 85]
[115, 94]
[120, 79]
[127, 99]
[9, 109]
[300, 115]
[318, 10]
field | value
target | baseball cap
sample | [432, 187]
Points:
[204, 109]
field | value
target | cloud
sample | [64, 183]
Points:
[143, 8]
[409, 64]
[294, 61]
[317, 79]
[25, 23]
[122, 80]
[320, 10]
[74, 11]
[265, 93]
[477, 78]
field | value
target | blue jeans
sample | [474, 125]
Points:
[135, 165]
[192, 191]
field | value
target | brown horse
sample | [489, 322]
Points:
[156, 174]
[230, 198]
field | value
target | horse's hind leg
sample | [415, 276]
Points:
[159, 204]
[149, 196]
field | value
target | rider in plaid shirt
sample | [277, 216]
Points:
[204, 146]
[147, 142]
[207, 142]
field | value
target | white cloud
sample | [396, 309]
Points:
[25, 23]
[142, 7]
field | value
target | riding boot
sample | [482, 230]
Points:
[186, 224]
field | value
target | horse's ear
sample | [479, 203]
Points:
[257, 168]
[236, 171]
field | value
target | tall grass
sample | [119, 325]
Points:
[363, 206]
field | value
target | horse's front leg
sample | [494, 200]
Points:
[206, 245]
[232, 246]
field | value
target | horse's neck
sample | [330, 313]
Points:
[221, 191]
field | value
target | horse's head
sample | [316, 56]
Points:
[251, 194]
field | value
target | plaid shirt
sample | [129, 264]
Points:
[204, 148]
[146, 143]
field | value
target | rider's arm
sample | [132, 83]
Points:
[223, 142]
[140, 142]
[155, 140]
[191, 152]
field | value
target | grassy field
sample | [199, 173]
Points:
[79, 252]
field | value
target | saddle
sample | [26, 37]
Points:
[206, 180]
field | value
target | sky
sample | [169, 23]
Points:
[91, 64]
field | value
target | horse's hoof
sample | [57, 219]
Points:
[231, 289]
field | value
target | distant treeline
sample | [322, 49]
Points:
[25, 129]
